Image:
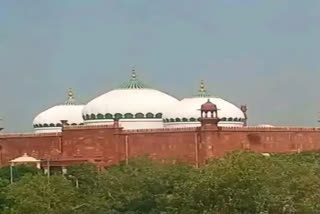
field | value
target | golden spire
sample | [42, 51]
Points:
[70, 93]
[202, 85]
[133, 74]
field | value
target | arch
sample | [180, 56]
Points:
[100, 116]
[40, 125]
[167, 120]
[178, 119]
[108, 116]
[128, 115]
[45, 125]
[58, 125]
[81, 124]
[83, 117]
[224, 119]
[149, 115]
[230, 119]
[185, 119]
[171, 120]
[35, 126]
[87, 117]
[51, 125]
[158, 115]
[73, 124]
[139, 115]
[93, 116]
[198, 119]
[192, 119]
[118, 116]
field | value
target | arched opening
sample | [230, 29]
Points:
[178, 120]
[192, 119]
[100, 116]
[159, 115]
[184, 119]
[45, 125]
[59, 125]
[128, 116]
[87, 117]
[118, 116]
[230, 119]
[52, 125]
[93, 116]
[108, 116]
[171, 120]
[150, 115]
[139, 115]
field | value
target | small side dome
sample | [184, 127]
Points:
[186, 113]
[50, 119]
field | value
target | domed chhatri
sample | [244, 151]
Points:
[186, 113]
[208, 106]
[134, 105]
[50, 119]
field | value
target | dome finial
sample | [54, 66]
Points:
[70, 94]
[70, 100]
[133, 74]
[202, 85]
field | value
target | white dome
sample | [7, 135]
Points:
[187, 112]
[134, 105]
[50, 119]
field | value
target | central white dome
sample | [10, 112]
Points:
[134, 105]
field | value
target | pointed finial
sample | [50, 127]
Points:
[70, 93]
[133, 74]
[201, 85]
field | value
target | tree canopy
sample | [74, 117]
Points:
[238, 183]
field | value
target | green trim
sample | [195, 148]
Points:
[192, 119]
[139, 115]
[118, 116]
[128, 116]
[45, 125]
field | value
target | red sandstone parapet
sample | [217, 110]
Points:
[21, 135]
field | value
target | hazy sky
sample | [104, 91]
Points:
[263, 53]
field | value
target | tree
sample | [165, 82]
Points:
[37, 194]
[18, 171]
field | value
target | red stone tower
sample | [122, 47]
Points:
[209, 116]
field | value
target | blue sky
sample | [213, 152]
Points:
[263, 53]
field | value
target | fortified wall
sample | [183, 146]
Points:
[108, 145]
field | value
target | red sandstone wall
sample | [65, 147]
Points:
[96, 144]
[106, 145]
[261, 140]
[40, 146]
[163, 146]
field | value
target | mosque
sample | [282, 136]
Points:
[137, 106]
[135, 120]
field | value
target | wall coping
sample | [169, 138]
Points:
[84, 127]
[17, 135]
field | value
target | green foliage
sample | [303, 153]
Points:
[238, 183]
[38, 194]
[18, 171]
